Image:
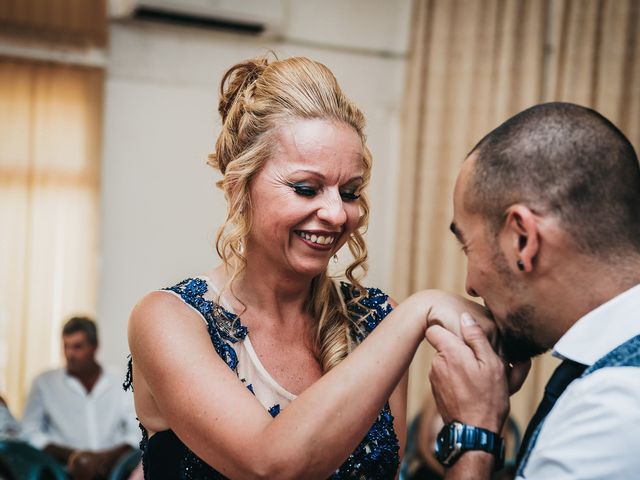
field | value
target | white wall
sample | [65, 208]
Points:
[160, 208]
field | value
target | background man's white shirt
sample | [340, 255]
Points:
[59, 411]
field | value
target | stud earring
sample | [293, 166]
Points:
[520, 265]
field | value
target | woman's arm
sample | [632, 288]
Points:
[203, 402]
[398, 405]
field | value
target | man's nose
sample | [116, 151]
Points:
[469, 289]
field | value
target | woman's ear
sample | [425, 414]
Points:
[520, 237]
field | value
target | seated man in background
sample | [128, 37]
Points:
[80, 414]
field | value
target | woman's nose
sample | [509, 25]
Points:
[332, 211]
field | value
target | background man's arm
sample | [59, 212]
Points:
[33, 420]
[88, 465]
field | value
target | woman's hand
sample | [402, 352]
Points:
[446, 308]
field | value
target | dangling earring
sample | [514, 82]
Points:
[240, 247]
[335, 258]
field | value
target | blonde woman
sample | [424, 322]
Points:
[251, 370]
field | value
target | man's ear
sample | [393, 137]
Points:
[520, 237]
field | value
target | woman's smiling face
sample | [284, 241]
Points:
[304, 200]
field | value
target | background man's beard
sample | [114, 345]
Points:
[519, 345]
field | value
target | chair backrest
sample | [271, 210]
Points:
[513, 439]
[125, 465]
[27, 463]
[410, 450]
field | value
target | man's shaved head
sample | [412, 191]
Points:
[566, 160]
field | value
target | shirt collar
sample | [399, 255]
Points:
[602, 329]
[101, 384]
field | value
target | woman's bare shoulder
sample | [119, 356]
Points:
[159, 316]
[158, 305]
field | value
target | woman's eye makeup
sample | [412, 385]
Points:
[307, 190]
[350, 195]
[303, 189]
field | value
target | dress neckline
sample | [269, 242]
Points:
[247, 342]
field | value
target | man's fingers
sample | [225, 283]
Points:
[475, 337]
[442, 339]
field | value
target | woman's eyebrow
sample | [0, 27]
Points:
[312, 172]
[322, 177]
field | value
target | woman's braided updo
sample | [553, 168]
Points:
[256, 97]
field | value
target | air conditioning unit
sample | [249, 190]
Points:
[243, 16]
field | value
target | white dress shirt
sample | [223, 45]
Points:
[9, 427]
[593, 431]
[59, 410]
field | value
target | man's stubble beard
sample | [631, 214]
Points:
[518, 344]
[517, 339]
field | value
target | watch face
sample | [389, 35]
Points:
[456, 438]
[444, 443]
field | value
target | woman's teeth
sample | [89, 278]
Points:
[319, 239]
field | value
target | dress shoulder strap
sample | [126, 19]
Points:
[223, 326]
[366, 309]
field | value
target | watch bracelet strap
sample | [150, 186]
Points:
[477, 438]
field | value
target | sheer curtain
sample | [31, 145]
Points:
[72, 22]
[474, 63]
[50, 122]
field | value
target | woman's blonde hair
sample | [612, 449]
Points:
[256, 97]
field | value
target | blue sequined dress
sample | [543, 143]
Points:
[165, 456]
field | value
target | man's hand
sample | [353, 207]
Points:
[91, 465]
[447, 310]
[84, 465]
[468, 378]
